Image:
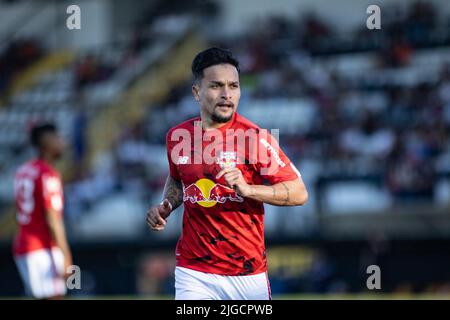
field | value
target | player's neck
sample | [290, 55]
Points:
[46, 157]
[212, 125]
[208, 124]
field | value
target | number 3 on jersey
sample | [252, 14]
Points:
[24, 188]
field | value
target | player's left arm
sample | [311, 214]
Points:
[286, 193]
[56, 227]
[53, 206]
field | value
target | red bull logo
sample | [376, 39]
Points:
[207, 193]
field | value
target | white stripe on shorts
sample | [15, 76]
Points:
[195, 285]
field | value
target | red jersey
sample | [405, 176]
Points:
[37, 188]
[223, 232]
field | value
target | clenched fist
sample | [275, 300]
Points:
[157, 216]
[234, 178]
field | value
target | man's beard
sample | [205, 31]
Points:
[221, 119]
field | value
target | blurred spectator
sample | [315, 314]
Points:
[16, 57]
[409, 176]
[90, 70]
[155, 275]
[368, 138]
[319, 279]
[80, 126]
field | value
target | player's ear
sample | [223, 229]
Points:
[195, 91]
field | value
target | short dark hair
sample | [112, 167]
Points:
[211, 57]
[39, 130]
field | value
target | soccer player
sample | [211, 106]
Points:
[40, 249]
[221, 252]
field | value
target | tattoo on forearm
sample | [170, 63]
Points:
[288, 198]
[173, 191]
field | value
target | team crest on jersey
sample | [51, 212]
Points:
[227, 159]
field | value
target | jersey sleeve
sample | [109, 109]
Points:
[173, 170]
[273, 164]
[52, 192]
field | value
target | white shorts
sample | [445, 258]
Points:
[195, 285]
[42, 272]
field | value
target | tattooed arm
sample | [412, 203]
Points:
[173, 198]
[287, 193]
[173, 191]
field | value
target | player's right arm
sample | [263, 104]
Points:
[56, 226]
[173, 198]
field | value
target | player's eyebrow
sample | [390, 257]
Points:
[221, 83]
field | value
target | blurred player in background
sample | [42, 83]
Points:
[221, 252]
[40, 249]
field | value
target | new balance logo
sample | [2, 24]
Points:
[183, 160]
